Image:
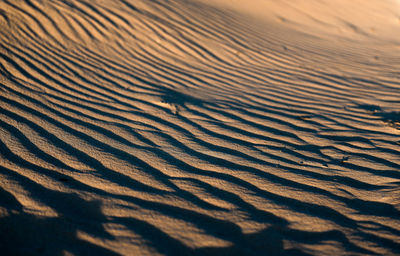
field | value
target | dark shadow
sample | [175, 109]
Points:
[268, 241]
[174, 97]
[370, 108]
[22, 233]
[265, 242]
[391, 118]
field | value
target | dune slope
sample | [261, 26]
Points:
[199, 127]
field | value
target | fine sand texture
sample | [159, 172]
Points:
[199, 127]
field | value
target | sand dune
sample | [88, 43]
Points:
[199, 127]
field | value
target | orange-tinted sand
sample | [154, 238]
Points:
[199, 127]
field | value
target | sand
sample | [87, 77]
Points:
[199, 127]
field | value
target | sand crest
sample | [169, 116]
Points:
[199, 127]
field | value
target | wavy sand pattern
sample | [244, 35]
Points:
[184, 127]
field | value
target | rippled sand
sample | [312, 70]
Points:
[199, 127]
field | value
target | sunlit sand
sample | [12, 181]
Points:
[199, 127]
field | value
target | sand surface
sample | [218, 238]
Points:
[199, 127]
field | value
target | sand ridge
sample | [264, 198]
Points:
[196, 127]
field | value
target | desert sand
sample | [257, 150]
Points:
[199, 127]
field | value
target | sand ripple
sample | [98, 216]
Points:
[195, 128]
